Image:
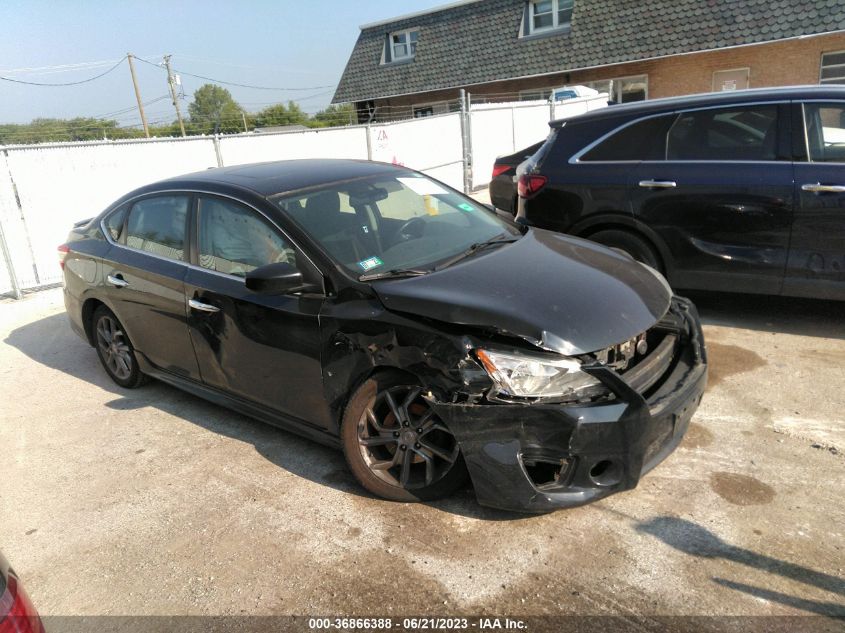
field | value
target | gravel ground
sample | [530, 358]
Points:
[153, 501]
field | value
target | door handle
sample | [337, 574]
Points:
[202, 307]
[117, 281]
[658, 184]
[817, 187]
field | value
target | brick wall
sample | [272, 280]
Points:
[788, 62]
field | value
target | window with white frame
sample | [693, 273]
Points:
[622, 89]
[402, 45]
[547, 15]
[832, 68]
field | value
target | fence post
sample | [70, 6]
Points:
[13, 277]
[217, 152]
[466, 139]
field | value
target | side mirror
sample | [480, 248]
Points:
[275, 279]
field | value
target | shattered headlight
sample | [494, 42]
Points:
[537, 377]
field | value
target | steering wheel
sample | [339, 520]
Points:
[410, 230]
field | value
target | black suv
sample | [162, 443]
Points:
[741, 191]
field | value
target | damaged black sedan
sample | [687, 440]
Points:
[372, 308]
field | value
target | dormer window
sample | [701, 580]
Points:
[401, 45]
[549, 15]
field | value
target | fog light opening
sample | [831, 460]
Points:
[546, 472]
[606, 473]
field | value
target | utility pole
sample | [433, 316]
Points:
[171, 81]
[138, 95]
[243, 116]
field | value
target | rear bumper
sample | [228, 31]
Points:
[513, 451]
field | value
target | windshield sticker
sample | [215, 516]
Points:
[423, 186]
[369, 264]
[466, 207]
[432, 205]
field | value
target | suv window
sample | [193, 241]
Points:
[825, 132]
[735, 133]
[642, 140]
[157, 225]
[236, 240]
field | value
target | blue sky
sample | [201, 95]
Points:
[285, 43]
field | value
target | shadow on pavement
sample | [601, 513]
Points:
[51, 342]
[787, 315]
[690, 538]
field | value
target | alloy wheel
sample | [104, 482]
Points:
[114, 348]
[402, 440]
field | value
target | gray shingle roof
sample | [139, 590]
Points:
[478, 42]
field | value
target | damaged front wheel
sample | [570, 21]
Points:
[395, 444]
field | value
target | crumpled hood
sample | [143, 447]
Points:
[558, 292]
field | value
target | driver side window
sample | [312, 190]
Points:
[235, 240]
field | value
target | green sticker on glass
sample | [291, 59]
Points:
[369, 264]
[466, 207]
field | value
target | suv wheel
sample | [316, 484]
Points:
[634, 245]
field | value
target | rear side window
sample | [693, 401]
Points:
[157, 225]
[736, 133]
[114, 222]
[825, 126]
[643, 140]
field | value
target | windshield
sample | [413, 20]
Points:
[391, 222]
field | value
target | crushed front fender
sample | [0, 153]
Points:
[541, 457]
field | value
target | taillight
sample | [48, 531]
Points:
[17, 615]
[498, 170]
[530, 184]
[63, 250]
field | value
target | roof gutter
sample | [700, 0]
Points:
[415, 14]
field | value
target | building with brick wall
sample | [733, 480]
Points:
[498, 50]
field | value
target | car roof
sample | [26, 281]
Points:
[669, 104]
[282, 176]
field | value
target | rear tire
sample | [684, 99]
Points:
[395, 444]
[115, 349]
[633, 244]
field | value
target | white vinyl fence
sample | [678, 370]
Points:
[45, 188]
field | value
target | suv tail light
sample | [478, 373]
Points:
[63, 250]
[530, 184]
[498, 170]
[17, 615]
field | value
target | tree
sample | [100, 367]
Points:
[214, 110]
[334, 115]
[44, 130]
[279, 114]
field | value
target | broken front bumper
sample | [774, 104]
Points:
[541, 457]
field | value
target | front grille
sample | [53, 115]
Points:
[653, 366]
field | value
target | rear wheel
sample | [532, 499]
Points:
[115, 350]
[633, 244]
[396, 445]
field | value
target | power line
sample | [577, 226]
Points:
[70, 83]
[57, 68]
[128, 108]
[252, 67]
[231, 83]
